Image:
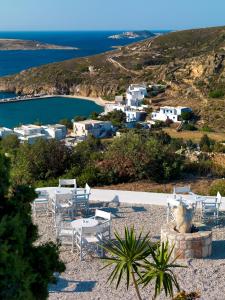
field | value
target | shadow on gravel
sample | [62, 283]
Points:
[218, 250]
[139, 209]
[72, 286]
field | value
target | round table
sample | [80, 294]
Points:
[85, 222]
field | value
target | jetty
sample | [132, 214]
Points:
[25, 98]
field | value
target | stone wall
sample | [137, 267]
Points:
[187, 245]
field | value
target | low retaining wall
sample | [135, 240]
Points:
[187, 245]
[131, 197]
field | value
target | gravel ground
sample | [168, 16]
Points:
[85, 280]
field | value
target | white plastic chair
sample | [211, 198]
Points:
[68, 183]
[65, 209]
[104, 219]
[89, 239]
[41, 203]
[65, 234]
[80, 199]
[183, 190]
[211, 206]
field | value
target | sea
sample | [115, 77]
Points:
[54, 109]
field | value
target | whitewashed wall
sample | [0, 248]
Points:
[135, 197]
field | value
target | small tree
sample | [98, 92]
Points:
[117, 117]
[187, 115]
[129, 256]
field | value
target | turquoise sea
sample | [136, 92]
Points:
[46, 111]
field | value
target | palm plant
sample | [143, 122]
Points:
[159, 270]
[127, 256]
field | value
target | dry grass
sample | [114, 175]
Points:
[195, 135]
[199, 186]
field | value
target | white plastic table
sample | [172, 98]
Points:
[85, 222]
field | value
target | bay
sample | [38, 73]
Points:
[45, 111]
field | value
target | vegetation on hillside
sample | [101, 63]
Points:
[138, 154]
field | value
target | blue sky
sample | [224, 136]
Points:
[110, 14]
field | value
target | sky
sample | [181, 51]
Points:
[110, 14]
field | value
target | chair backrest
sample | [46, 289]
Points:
[182, 189]
[102, 214]
[68, 182]
[218, 198]
[43, 193]
[92, 230]
[87, 189]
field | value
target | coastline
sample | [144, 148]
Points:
[99, 101]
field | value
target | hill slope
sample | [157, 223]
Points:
[191, 62]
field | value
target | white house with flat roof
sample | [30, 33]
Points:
[99, 129]
[5, 131]
[135, 94]
[30, 133]
[170, 112]
[28, 129]
[31, 139]
[133, 114]
[56, 131]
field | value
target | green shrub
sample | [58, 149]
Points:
[189, 126]
[206, 128]
[217, 186]
[217, 93]
[187, 115]
[206, 144]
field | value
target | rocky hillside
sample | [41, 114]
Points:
[190, 62]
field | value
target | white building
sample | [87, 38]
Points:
[5, 131]
[31, 139]
[135, 94]
[56, 131]
[171, 113]
[26, 130]
[99, 129]
[30, 133]
[133, 114]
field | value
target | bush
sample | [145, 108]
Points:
[206, 144]
[79, 118]
[206, 128]
[189, 126]
[66, 122]
[187, 115]
[217, 93]
[217, 186]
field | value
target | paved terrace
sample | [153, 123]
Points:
[86, 280]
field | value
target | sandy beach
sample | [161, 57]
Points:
[98, 101]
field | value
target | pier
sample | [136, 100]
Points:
[24, 98]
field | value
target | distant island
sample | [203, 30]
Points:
[16, 44]
[132, 35]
